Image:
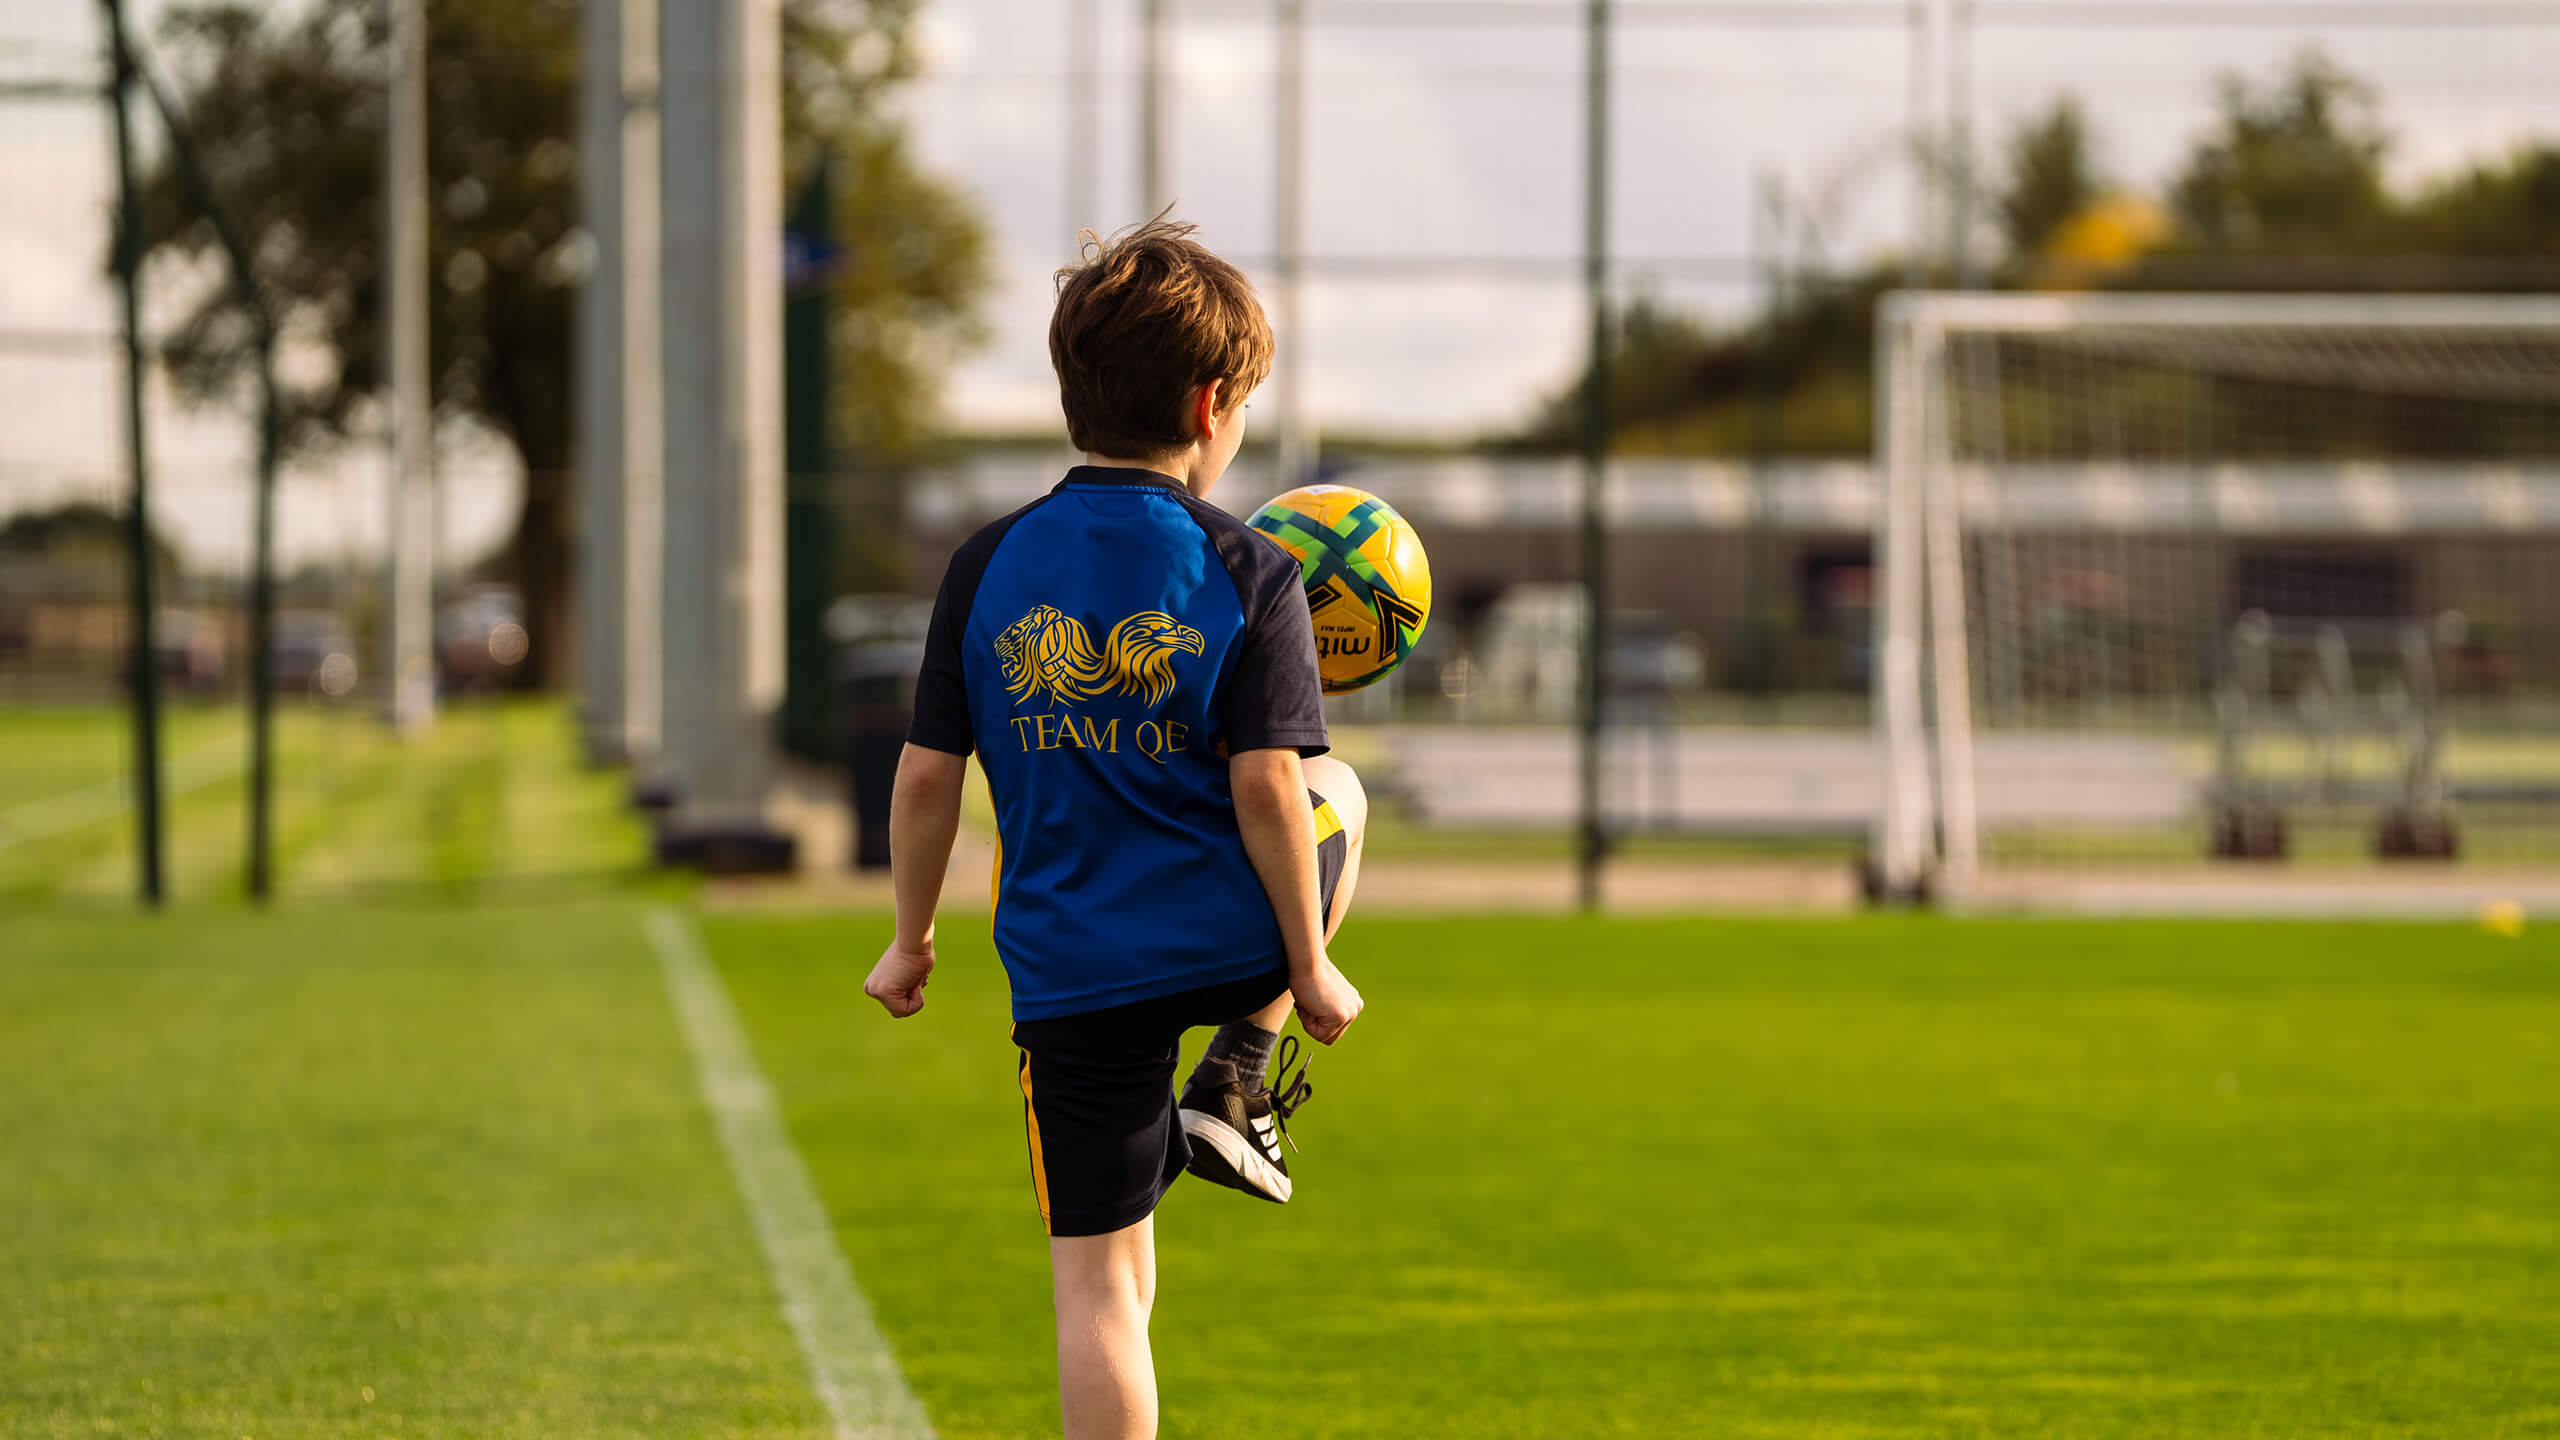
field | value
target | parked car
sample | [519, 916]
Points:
[315, 652]
[481, 641]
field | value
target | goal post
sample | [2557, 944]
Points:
[2168, 578]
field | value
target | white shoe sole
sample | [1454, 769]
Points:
[1266, 1179]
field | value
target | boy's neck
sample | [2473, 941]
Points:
[1177, 468]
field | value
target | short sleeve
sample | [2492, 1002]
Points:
[942, 692]
[942, 688]
[1274, 698]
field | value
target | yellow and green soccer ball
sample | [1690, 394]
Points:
[1368, 582]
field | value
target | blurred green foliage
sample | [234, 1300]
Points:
[2286, 191]
[2052, 176]
[288, 111]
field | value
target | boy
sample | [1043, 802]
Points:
[1136, 671]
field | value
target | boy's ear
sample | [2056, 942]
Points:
[1208, 406]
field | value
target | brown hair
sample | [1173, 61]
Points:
[1143, 320]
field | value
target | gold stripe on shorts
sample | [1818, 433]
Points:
[1328, 824]
[1031, 1123]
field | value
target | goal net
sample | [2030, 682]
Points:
[2176, 579]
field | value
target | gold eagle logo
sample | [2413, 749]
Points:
[1140, 654]
[1048, 653]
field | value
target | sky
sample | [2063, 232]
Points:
[1465, 140]
[1426, 139]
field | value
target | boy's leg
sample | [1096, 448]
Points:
[1103, 1142]
[1105, 1287]
[1340, 786]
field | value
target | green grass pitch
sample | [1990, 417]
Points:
[1884, 1177]
[423, 1154]
[367, 1173]
[1878, 1178]
[491, 802]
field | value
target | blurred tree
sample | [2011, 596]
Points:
[2285, 192]
[1681, 387]
[1656, 355]
[2052, 177]
[2293, 168]
[81, 538]
[80, 525]
[2508, 207]
[288, 111]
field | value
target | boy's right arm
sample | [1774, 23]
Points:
[924, 819]
[924, 803]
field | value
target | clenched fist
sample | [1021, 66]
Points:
[898, 981]
[1327, 1002]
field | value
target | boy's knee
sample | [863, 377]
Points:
[1095, 1295]
[1340, 785]
[1095, 1274]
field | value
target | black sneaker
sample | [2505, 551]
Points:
[1236, 1126]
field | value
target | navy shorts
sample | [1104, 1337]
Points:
[1098, 1088]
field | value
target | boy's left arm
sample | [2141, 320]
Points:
[1280, 840]
[1271, 713]
[924, 820]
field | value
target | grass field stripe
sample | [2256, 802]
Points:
[113, 796]
[850, 1363]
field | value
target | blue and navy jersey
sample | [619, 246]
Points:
[1103, 650]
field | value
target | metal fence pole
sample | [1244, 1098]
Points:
[1155, 106]
[410, 669]
[145, 648]
[1297, 445]
[1593, 839]
[243, 276]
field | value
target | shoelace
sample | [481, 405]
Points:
[1291, 1094]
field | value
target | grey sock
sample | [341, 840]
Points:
[1246, 1044]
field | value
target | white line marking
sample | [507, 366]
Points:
[850, 1363]
[113, 796]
